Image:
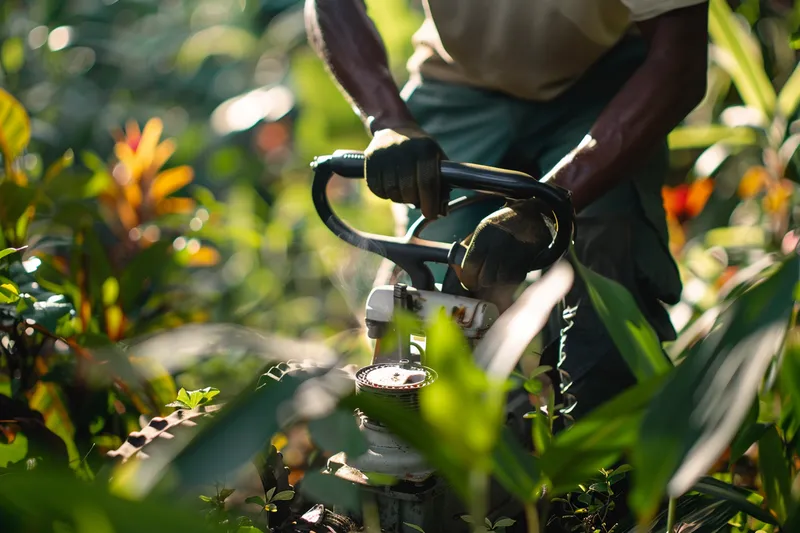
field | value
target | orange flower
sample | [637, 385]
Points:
[687, 200]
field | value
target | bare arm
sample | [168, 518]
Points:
[347, 41]
[668, 85]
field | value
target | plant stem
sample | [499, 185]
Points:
[532, 517]
[479, 490]
[671, 512]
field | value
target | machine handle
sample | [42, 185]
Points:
[410, 252]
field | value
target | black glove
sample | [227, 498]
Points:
[506, 244]
[402, 165]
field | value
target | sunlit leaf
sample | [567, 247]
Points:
[736, 495]
[15, 127]
[204, 257]
[14, 451]
[597, 440]
[703, 404]
[169, 181]
[630, 331]
[22, 492]
[739, 54]
[775, 472]
[693, 137]
[789, 97]
[8, 251]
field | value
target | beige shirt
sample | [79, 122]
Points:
[531, 49]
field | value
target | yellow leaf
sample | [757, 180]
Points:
[114, 322]
[133, 194]
[182, 206]
[15, 126]
[163, 152]
[777, 197]
[205, 256]
[128, 158]
[171, 180]
[753, 182]
[127, 215]
[151, 134]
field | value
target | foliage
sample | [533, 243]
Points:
[197, 213]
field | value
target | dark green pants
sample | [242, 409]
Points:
[622, 235]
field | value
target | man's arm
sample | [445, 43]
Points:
[346, 40]
[668, 85]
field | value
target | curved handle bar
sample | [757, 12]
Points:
[410, 252]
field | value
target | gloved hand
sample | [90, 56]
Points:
[402, 165]
[505, 245]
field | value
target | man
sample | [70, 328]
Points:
[582, 91]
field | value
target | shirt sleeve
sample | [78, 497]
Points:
[649, 9]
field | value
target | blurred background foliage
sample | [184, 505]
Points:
[162, 180]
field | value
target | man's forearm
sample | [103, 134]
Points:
[669, 84]
[348, 43]
[652, 103]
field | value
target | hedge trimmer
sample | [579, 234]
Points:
[420, 499]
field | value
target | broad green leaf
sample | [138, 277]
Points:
[283, 496]
[739, 54]
[789, 97]
[505, 522]
[697, 413]
[258, 500]
[693, 137]
[695, 513]
[775, 472]
[21, 494]
[331, 490]
[736, 495]
[630, 331]
[748, 433]
[599, 439]
[790, 371]
[47, 313]
[15, 126]
[338, 432]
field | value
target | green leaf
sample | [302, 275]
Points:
[697, 413]
[467, 518]
[224, 494]
[15, 126]
[13, 452]
[283, 496]
[541, 432]
[414, 527]
[9, 291]
[739, 54]
[790, 371]
[505, 522]
[748, 434]
[694, 137]
[8, 251]
[630, 331]
[338, 432]
[789, 97]
[598, 440]
[110, 291]
[258, 500]
[48, 312]
[735, 495]
[775, 472]
[21, 493]
[331, 490]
